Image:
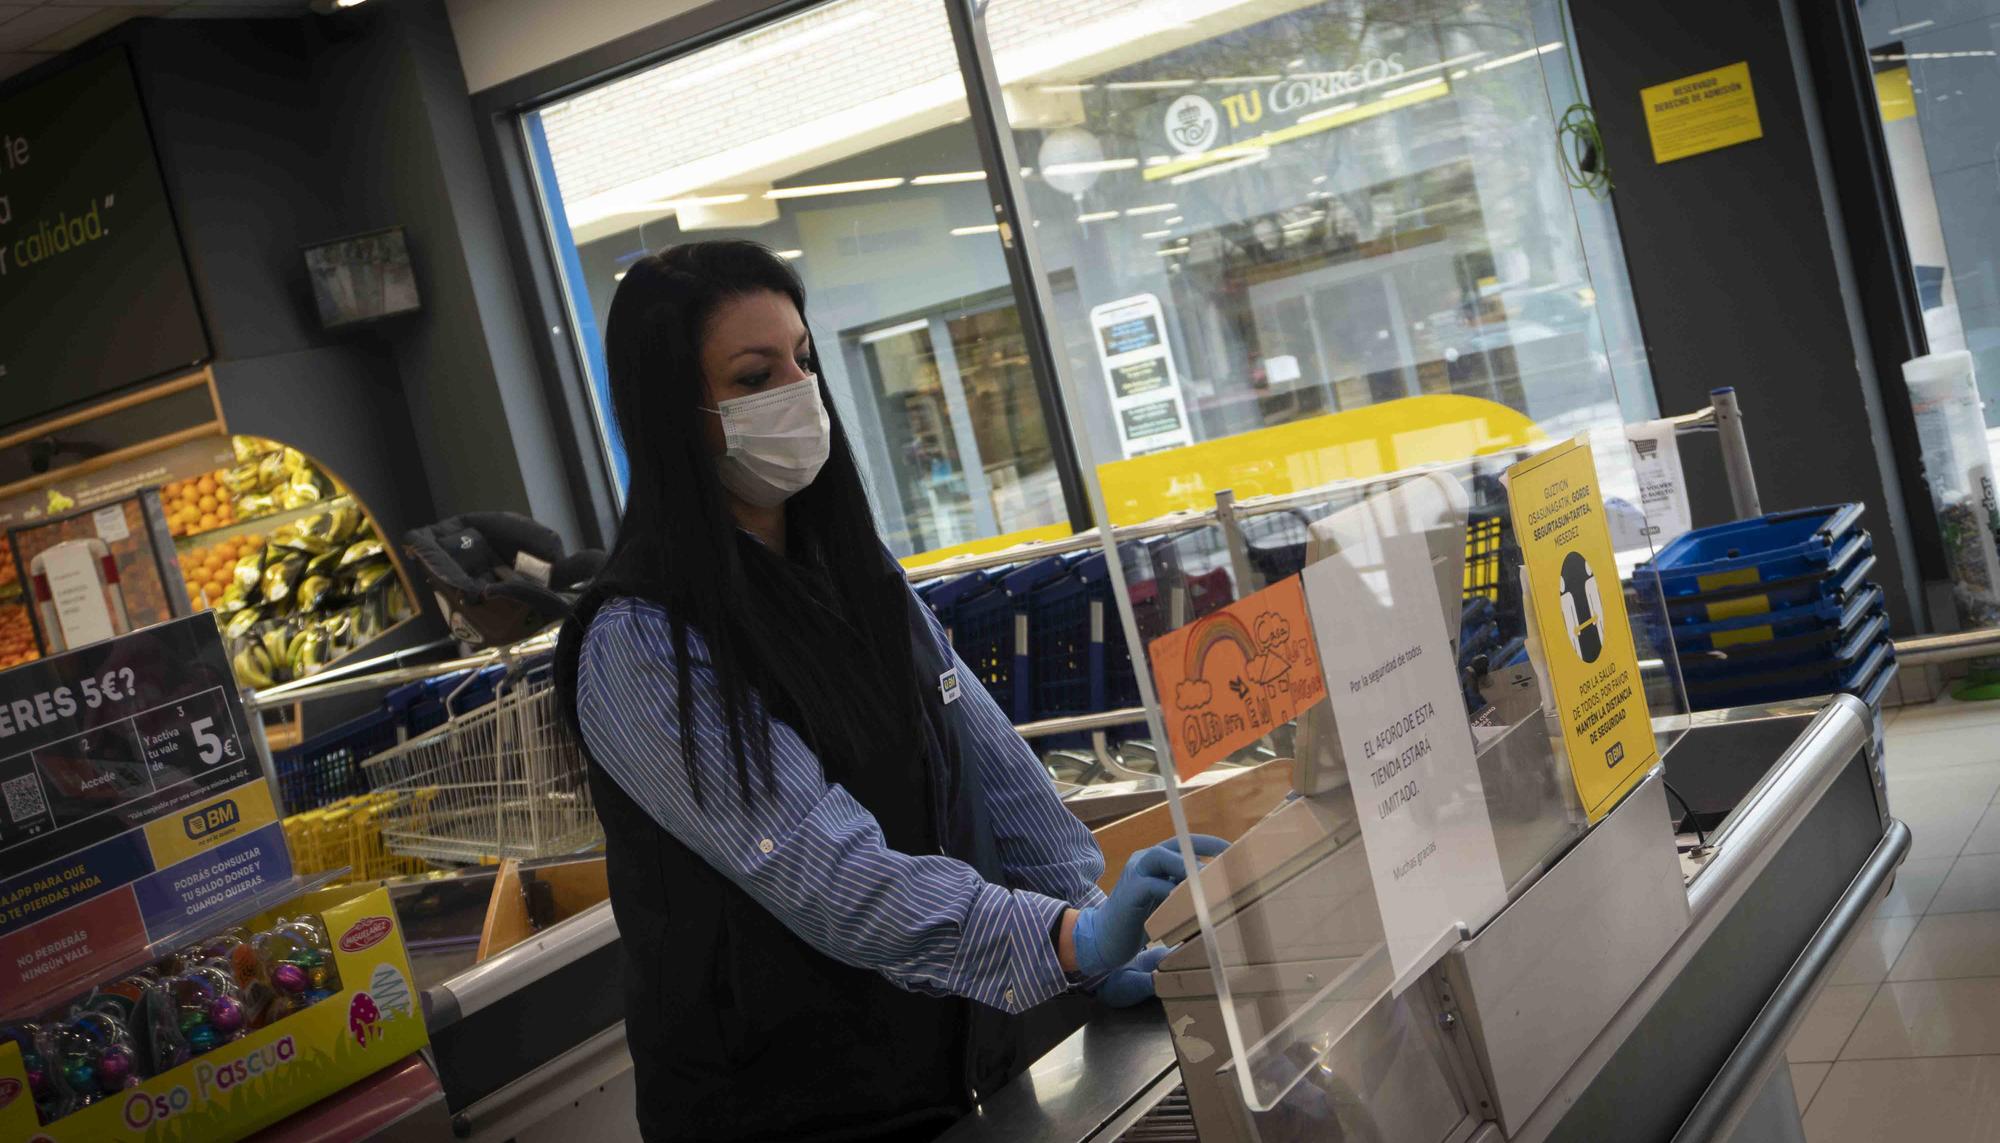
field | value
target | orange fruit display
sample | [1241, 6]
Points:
[17, 636]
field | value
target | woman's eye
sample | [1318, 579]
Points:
[805, 363]
[754, 381]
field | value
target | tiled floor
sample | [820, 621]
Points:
[1903, 1045]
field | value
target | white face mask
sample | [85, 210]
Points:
[775, 442]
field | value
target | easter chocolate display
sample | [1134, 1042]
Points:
[187, 1003]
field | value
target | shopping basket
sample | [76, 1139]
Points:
[1769, 549]
[327, 766]
[505, 780]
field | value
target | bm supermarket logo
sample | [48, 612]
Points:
[207, 820]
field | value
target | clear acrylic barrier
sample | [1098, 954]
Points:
[1322, 257]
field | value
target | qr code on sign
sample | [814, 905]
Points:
[24, 798]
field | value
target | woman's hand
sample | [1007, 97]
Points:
[1132, 983]
[1102, 938]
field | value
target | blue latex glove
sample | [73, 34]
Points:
[1132, 983]
[1110, 934]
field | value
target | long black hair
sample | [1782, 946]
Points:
[822, 634]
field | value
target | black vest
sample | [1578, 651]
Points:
[739, 1030]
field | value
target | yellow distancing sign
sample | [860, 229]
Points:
[1701, 112]
[1591, 666]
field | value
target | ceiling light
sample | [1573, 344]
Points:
[1461, 73]
[789, 255]
[834, 188]
[948, 177]
[963, 231]
[1155, 234]
[1326, 111]
[1171, 221]
[1257, 156]
[1063, 88]
[1249, 79]
[1517, 57]
[1156, 208]
[887, 332]
[1434, 81]
[1149, 84]
[1097, 216]
[1918, 26]
[620, 275]
[1171, 251]
[1086, 168]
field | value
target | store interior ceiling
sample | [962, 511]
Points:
[624, 173]
[35, 30]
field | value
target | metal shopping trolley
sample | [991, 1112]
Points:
[504, 780]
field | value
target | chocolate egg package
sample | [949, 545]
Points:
[46, 1086]
[183, 1005]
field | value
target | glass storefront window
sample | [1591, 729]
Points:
[1936, 73]
[1332, 207]
[838, 137]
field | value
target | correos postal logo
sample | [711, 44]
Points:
[1192, 124]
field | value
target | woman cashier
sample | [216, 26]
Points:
[837, 870]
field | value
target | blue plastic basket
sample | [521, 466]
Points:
[437, 705]
[327, 767]
[1812, 676]
[1815, 645]
[1845, 574]
[1081, 662]
[1801, 619]
[1019, 586]
[1865, 677]
[1768, 549]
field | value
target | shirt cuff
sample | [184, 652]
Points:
[1007, 960]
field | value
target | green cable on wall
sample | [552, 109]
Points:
[1578, 140]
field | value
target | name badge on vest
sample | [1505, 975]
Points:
[948, 686]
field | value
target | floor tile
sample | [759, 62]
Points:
[1833, 1014]
[1972, 886]
[1950, 1099]
[1916, 888]
[1868, 960]
[1941, 807]
[1805, 1081]
[1985, 837]
[1928, 1018]
[1941, 744]
[1950, 945]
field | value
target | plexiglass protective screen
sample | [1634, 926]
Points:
[1319, 285]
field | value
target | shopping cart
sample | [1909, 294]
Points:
[505, 780]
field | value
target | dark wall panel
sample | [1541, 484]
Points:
[1738, 269]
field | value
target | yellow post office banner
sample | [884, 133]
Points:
[1702, 112]
[1580, 623]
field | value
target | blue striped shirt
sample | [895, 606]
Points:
[814, 857]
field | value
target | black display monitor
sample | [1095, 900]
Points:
[362, 277]
[94, 288]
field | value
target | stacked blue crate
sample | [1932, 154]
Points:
[1774, 608]
[327, 767]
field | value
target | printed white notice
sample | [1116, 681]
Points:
[110, 524]
[1663, 495]
[77, 591]
[1402, 726]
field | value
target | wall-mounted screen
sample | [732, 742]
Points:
[362, 278]
[94, 289]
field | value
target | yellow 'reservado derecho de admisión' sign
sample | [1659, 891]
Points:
[1577, 607]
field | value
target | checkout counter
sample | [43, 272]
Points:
[1518, 1034]
[1637, 980]
[1606, 1001]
